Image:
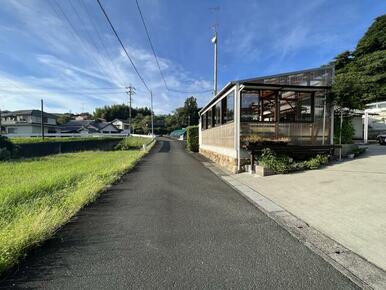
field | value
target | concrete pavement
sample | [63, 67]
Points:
[171, 223]
[346, 201]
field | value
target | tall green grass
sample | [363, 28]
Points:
[133, 142]
[37, 196]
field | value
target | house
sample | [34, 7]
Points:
[27, 122]
[290, 106]
[88, 127]
[121, 124]
[83, 116]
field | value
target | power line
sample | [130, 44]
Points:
[123, 47]
[100, 38]
[151, 44]
[156, 58]
[74, 32]
[90, 38]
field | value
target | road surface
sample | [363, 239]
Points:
[171, 223]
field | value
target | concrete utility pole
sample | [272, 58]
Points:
[42, 118]
[215, 41]
[152, 114]
[130, 92]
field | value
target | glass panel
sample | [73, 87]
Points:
[223, 110]
[295, 107]
[203, 121]
[217, 114]
[259, 107]
[314, 77]
[209, 116]
[267, 106]
[249, 110]
[230, 99]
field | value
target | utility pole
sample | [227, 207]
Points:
[215, 41]
[152, 114]
[42, 118]
[130, 92]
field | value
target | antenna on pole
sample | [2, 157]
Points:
[215, 41]
[130, 92]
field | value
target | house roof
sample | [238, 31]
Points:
[280, 81]
[27, 112]
[91, 125]
[123, 121]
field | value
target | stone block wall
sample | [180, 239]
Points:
[228, 162]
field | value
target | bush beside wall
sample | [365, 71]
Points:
[192, 138]
[348, 131]
[7, 148]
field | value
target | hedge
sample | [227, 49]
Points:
[55, 147]
[192, 138]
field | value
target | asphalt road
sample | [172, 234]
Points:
[171, 223]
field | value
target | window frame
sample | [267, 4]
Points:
[260, 100]
[312, 119]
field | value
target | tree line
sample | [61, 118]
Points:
[182, 117]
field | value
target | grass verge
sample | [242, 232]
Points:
[37, 196]
[26, 140]
[133, 142]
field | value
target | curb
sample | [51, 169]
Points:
[356, 268]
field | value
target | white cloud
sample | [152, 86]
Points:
[66, 66]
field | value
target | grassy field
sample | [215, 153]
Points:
[24, 140]
[37, 196]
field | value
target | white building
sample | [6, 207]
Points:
[121, 124]
[27, 122]
[377, 118]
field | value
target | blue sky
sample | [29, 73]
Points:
[80, 66]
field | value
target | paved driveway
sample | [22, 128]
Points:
[171, 223]
[346, 201]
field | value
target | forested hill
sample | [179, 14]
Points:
[361, 74]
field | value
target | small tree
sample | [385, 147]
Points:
[192, 138]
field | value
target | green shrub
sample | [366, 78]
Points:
[132, 142]
[316, 161]
[4, 154]
[348, 131]
[192, 138]
[281, 164]
[278, 164]
[7, 148]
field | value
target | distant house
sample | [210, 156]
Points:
[88, 127]
[121, 124]
[27, 122]
[179, 134]
[83, 116]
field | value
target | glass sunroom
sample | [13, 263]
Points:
[290, 107]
